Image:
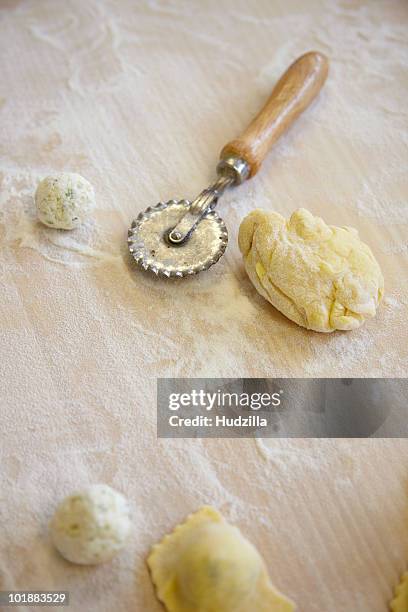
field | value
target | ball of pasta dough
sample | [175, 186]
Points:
[91, 526]
[321, 276]
[64, 200]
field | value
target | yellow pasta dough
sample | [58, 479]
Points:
[400, 601]
[320, 276]
[206, 565]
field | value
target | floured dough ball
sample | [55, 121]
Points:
[91, 526]
[322, 277]
[64, 200]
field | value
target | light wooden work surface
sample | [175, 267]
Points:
[140, 98]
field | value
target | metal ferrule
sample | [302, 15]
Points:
[235, 167]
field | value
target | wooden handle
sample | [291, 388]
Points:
[292, 94]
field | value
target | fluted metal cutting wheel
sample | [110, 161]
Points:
[149, 246]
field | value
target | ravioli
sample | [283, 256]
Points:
[206, 565]
[320, 276]
[400, 601]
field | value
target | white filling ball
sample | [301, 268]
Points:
[91, 526]
[64, 200]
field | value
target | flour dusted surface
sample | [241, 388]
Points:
[84, 334]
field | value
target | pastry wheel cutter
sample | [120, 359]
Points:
[181, 237]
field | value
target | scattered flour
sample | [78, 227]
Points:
[22, 228]
[78, 374]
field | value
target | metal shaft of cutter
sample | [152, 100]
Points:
[202, 204]
[231, 171]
